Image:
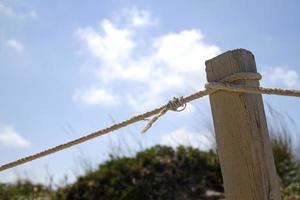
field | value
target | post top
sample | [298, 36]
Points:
[237, 60]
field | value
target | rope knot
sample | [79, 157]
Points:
[173, 105]
[211, 87]
[176, 103]
[226, 82]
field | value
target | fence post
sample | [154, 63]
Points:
[242, 136]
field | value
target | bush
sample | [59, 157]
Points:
[23, 190]
[162, 172]
[288, 167]
[156, 173]
[285, 157]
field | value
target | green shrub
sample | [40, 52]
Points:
[162, 172]
[24, 190]
[156, 173]
[288, 167]
[285, 156]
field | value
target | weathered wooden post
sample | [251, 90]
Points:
[242, 137]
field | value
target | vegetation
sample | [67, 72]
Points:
[285, 150]
[162, 172]
[288, 167]
[24, 190]
[156, 173]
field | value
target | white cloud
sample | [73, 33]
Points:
[15, 45]
[96, 96]
[184, 137]
[113, 44]
[184, 51]
[156, 68]
[280, 76]
[10, 138]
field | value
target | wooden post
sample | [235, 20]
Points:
[242, 137]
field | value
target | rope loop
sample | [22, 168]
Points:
[241, 76]
[225, 84]
[211, 87]
[175, 104]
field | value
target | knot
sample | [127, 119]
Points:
[176, 103]
[211, 87]
[225, 83]
[173, 105]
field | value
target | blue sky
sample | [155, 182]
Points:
[68, 68]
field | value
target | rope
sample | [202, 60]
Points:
[254, 90]
[210, 88]
[174, 104]
[90, 136]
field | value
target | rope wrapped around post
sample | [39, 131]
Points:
[225, 84]
[210, 87]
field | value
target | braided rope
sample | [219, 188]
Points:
[253, 90]
[210, 88]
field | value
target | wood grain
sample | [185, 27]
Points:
[242, 137]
